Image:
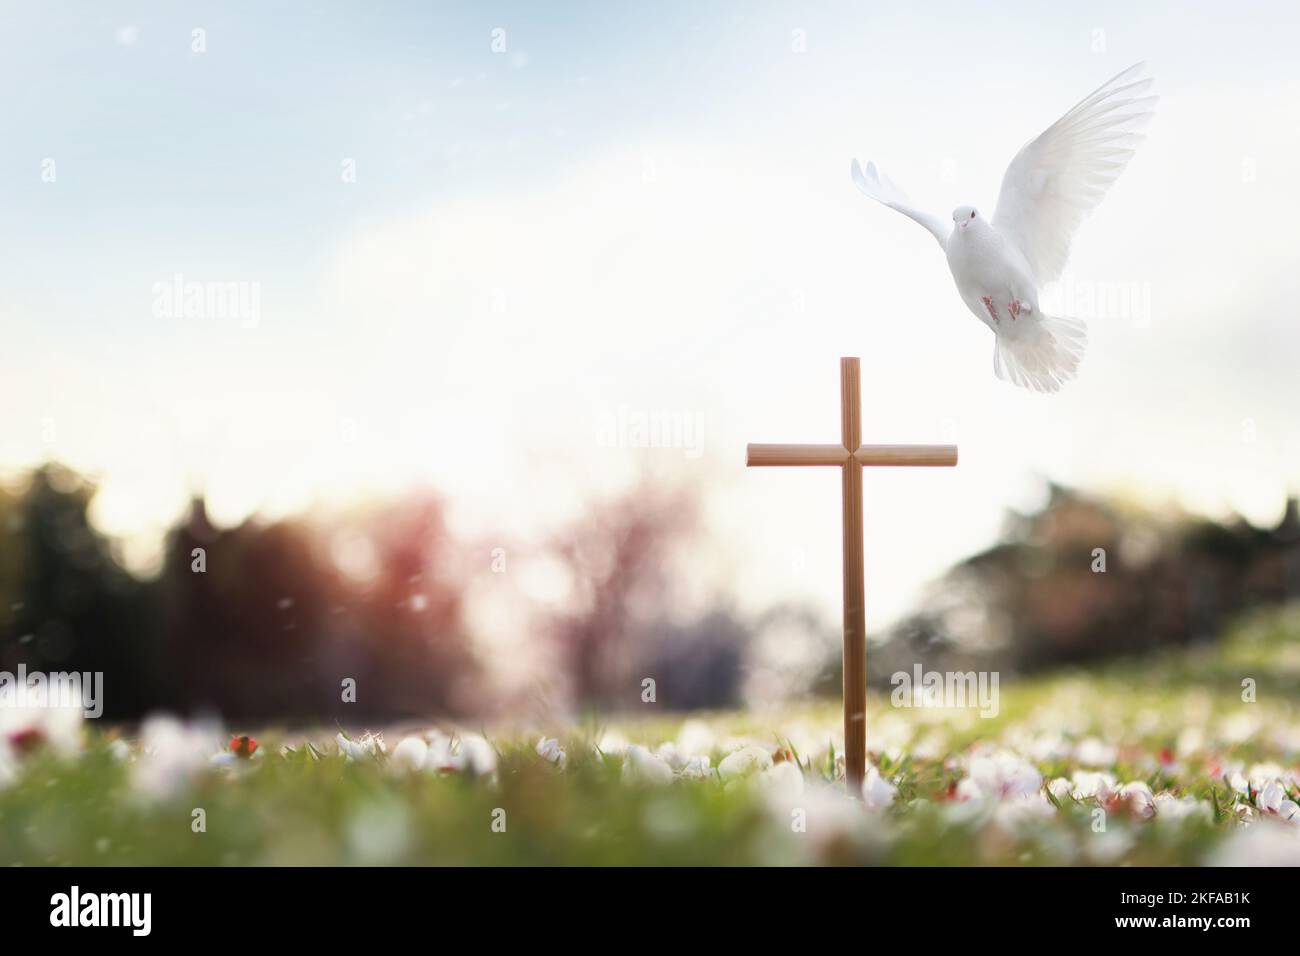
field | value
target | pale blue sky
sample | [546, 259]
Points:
[634, 206]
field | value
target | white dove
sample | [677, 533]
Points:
[1049, 188]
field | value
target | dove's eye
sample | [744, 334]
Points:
[972, 214]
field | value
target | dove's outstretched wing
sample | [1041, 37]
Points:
[1060, 177]
[881, 188]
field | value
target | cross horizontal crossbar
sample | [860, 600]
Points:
[757, 456]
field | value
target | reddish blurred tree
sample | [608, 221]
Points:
[271, 627]
[625, 557]
[618, 557]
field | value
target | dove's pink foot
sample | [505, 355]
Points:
[988, 304]
[1015, 308]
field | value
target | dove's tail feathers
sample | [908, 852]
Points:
[1041, 353]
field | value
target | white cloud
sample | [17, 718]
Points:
[720, 270]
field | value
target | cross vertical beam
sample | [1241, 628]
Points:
[850, 456]
[855, 618]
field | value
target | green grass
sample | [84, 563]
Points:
[297, 805]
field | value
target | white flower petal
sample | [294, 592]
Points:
[744, 762]
[410, 753]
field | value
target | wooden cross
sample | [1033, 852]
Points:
[850, 455]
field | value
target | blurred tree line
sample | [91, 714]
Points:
[265, 621]
[65, 603]
[252, 622]
[1084, 579]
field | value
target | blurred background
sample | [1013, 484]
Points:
[263, 620]
[419, 345]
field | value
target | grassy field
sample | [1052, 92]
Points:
[1159, 761]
